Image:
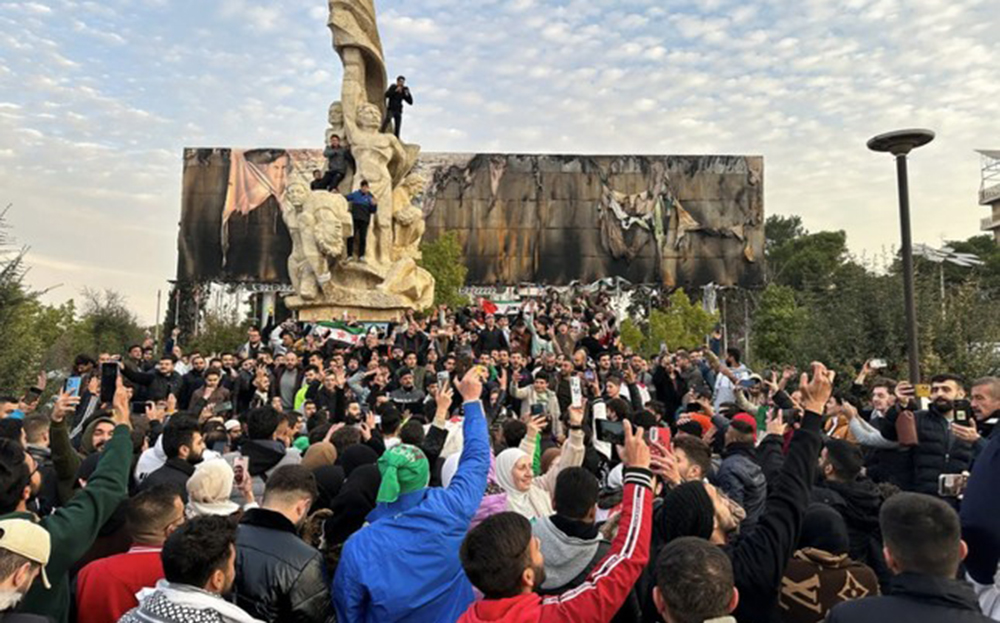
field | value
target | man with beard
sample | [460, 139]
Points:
[199, 565]
[945, 447]
[184, 447]
[856, 498]
[408, 396]
[97, 433]
[278, 576]
[74, 526]
[24, 552]
[106, 587]
[193, 379]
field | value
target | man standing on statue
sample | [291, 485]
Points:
[337, 160]
[363, 205]
[394, 98]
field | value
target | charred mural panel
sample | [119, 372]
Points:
[547, 219]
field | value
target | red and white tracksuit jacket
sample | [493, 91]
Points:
[599, 598]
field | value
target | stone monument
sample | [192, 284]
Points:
[387, 281]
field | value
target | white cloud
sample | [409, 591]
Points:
[98, 107]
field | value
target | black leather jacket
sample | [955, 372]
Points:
[278, 576]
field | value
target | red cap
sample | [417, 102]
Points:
[747, 419]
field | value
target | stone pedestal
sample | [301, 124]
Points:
[368, 292]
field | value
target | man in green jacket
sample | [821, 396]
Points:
[72, 527]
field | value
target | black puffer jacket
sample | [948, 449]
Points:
[742, 479]
[859, 503]
[915, 599]
[938, 451]
[278, 576]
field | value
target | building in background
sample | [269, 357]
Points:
[989, 190]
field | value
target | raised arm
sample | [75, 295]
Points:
[760, 558]
[572, 452]
[612, 579]
[466, 490]
[75, 526]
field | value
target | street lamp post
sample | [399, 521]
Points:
[899, 144]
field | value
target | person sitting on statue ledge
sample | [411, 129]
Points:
[363, 205]
[317, 183]
[394, 98]
[337, 160]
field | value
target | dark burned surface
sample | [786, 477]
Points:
[549, 219]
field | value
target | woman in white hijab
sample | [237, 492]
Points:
[209, 488]
[527, 494]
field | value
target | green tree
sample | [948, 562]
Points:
[220, 332]
[28, 328]
[106, 324]
[632, 335]
[444, 259]
[779, 326]
[780, 229]
[680, 324]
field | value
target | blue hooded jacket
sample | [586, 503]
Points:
[404, 566]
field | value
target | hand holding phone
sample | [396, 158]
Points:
[576, 391]
[241, 471]
[610, 432]
[109, 381]
[72, 386]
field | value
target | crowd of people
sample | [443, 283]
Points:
[468, 465]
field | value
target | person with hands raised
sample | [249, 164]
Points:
[74, 526]
[504, 561]
[527, 494]
[759, 558]
[377, 579]
[942, 445]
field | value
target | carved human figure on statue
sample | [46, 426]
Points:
[306, 263]
[408, 220]
[376, 155]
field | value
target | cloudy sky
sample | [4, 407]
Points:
[98, 99]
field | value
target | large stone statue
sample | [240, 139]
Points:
[389, 282]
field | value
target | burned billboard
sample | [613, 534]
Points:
[544, 219]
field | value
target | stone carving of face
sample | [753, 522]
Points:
[369, 117]
[414, 184]
[336, 115]
[297, 194]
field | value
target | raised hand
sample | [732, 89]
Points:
[816, 391]
[471, 386]
[536, 424]
[155, 413]
[443, 401]
[120, 410]
[663, 463]
[636, 451]
[65, 405]
[775, 423]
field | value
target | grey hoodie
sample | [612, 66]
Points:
[566, 557]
